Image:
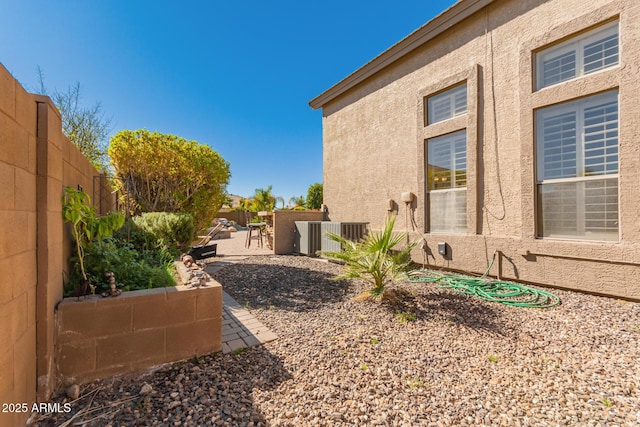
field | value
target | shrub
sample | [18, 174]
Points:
[133, 270]
[139, 239]
[165, 229]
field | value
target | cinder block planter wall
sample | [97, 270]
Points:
[101, 337]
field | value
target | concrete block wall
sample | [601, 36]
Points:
[102, 337]
[17, 247]
[36, 162]
[60, 164]
[239, 217]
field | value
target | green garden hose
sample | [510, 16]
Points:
[487, 289]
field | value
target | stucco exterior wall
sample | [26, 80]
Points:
[374, 144]
[284, 228]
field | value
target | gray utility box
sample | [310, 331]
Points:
[348, 230]
[307, 237]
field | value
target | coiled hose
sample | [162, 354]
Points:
[488, 289]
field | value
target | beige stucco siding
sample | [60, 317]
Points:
[374, 136]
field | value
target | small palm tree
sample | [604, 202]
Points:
[297, 201]
[374, 258]
[264, 200]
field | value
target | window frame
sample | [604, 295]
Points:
[450, 93]
[469, 75]
[579, 106]
[451, 139]
[576, 44]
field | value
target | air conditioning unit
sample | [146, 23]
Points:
[307, 237]
[349, 230]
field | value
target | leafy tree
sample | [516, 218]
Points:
[374, 258]
[86, 127]
[166, 173]
[314, 196]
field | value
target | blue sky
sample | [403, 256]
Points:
[237, 76]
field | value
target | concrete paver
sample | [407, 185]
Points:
[240, 329]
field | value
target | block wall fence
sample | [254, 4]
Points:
[36, 162]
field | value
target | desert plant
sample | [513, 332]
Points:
[86, 226]
[414, 383]
[264, 200]
[297, 201]
[374, 258]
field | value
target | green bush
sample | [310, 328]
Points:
[174, 230]
[139, 239]
[133, 270]
[140, 254]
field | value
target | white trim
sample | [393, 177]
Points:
[580, 178]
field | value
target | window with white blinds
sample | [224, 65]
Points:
[447, 183]
[590, 52]
[447, 104]
[577, 168]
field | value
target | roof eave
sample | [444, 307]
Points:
[447, 19]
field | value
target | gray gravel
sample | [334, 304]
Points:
[432, 358]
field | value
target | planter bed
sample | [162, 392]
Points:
[102, 337]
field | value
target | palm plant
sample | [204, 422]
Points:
[264, 200]
[297, 201]
[374, 259]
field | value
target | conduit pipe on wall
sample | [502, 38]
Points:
[527, 253]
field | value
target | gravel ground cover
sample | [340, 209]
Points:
[432, 357]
